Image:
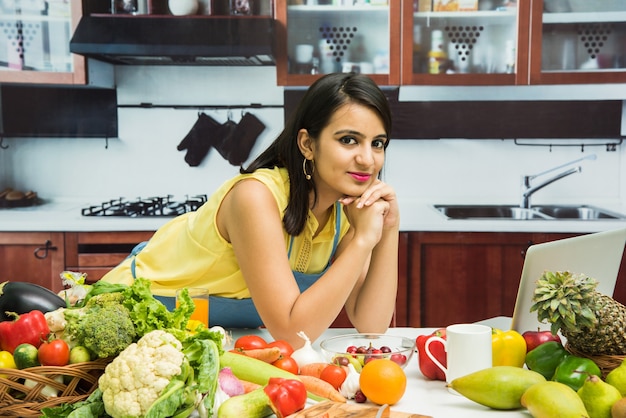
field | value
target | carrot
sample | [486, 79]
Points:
[249, 386]
[268, 355]
[313, 369]
[321, 388]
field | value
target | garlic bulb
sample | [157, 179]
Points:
[351, 385]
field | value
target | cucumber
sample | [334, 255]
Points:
[253, 404]
[23, 297]
[251, 369]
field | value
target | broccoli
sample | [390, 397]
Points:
[103, 299]
[103, 325]
[107, 331]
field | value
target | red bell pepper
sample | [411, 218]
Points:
[428, 368]
[286, 395]
[31, 328]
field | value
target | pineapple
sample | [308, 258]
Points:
[593, 323]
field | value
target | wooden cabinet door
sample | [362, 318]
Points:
[463, 276]
[580, 43]
[483, 47]
[345, 36]
[95, 253]
[36, 257]
[36, 44]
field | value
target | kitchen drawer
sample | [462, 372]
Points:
[95, 253]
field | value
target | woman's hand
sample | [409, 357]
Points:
[378, 191]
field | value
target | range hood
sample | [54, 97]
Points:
[172, 40]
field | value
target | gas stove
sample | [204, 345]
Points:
[139, 207]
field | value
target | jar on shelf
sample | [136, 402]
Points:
[437, 57]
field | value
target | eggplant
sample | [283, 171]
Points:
[23, 297]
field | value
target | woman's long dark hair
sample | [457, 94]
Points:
[314, 111]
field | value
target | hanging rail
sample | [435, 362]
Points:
[199, 107]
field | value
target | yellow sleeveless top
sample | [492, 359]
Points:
[189, 251]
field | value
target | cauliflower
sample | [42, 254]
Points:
[134, 380]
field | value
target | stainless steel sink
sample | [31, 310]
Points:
[582, 212]
[512, 212]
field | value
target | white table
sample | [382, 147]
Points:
[422, 396]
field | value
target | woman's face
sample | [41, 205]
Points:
[349, 153]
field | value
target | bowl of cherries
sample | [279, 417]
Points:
[363, 348]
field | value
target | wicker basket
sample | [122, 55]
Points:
[605, 362]
[19, 400]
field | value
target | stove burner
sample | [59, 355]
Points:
[152, 206]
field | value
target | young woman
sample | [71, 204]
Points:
[307, 229]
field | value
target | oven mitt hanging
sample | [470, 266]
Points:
[223, 137]
[199, 139]
[243, 138]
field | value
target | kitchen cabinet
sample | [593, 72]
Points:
[482, 47]
[320, 36]
[578, 42]
[538, 42]
[455, 277]
[34, 42]
[35, 257]
[95, 253]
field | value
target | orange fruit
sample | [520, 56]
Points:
[382, 381]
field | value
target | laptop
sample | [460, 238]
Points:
[597, 255]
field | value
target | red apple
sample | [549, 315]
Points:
[535, 338]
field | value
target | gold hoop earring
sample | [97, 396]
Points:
[306, 175]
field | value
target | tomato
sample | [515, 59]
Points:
[285, 348]
[287, 363]
[54, 353]
[333, 374]
[250, 342]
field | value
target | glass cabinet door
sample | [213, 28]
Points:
[324, 36]
[580, 41]
[465, 42]
[35, 39]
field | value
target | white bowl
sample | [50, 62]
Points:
[183, 7]
[401, 349]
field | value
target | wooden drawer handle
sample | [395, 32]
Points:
[42, 252]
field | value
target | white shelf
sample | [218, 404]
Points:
[581, 17]
[34, 18]
[366, 8]
[481, 17]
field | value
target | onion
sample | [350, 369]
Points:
[229, 383]
[306, 354]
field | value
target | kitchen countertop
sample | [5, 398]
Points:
[416, 215]
[423, 396]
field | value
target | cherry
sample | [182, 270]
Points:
[359, 397]
[398, 358]
[341, 361]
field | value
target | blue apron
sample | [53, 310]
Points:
[241, 313]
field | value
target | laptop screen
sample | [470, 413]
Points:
[597, 255]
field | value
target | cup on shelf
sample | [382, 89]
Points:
[304, 53]
[468, 350]
[200, 297]
[303, 58]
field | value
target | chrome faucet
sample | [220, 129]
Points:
[528, 190]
